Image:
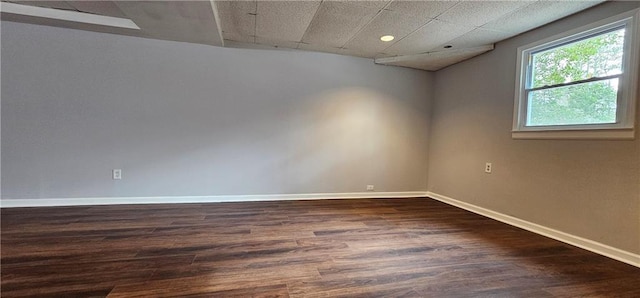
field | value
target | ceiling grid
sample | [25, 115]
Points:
[421, 29]
[367, 24]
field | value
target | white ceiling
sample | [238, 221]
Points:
[421, 28]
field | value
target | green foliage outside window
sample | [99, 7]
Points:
[584, 103]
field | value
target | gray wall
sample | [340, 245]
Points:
[586, 188]
[185, 119]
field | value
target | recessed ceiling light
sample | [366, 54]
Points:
[387, 38]
[67, 15]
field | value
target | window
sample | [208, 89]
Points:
[580, 84]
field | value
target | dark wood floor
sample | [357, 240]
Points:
[329, 248]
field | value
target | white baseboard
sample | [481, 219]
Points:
[599, 248]
[590, 245]
[52, 202]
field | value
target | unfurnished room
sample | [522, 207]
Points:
[320, 148]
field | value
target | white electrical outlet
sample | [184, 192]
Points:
[117, 174]
[487, 168]
[370, 187]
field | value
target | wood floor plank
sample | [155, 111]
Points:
[324, 248]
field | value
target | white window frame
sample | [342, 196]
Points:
[627, 90]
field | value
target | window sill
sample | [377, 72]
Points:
[600, 134]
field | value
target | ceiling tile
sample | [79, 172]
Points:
[238, 20]
[320, 48]
[188, 21]
[276, 42]
[424, 9]
[429, 36]
[336, 22]
[478, 37]
[379, 4]
[435, 60]
[284, 20]
[105, 8]
[340, 51]
[537, 14]
[478, 13]
[254, 46]
[386, 23]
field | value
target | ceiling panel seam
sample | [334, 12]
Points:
[367, 24]
[216, 19]
[73, 6]
[420, 27]
[255, 20]
[309, 25]
[508, 14]
[414, 31]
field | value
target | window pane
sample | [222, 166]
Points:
[588, 103]
[597, 56]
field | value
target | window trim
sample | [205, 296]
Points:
[628, 82]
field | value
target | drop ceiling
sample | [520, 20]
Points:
[421, 29]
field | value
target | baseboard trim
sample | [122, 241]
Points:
[53, 202]
[590, 245]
